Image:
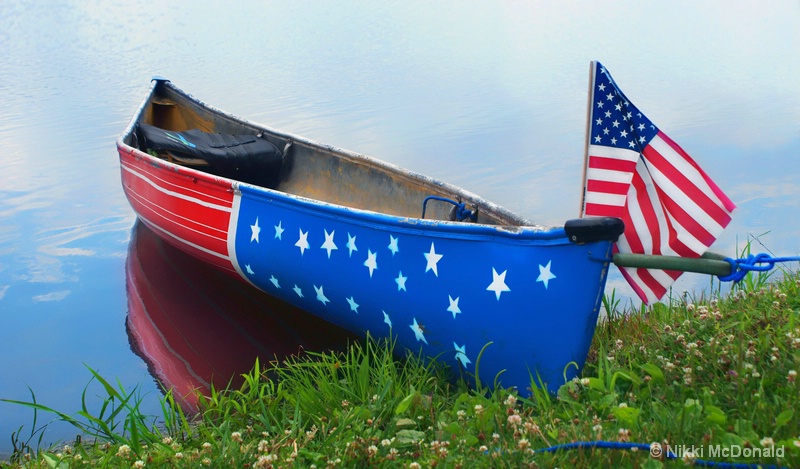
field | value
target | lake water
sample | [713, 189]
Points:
[490, 96]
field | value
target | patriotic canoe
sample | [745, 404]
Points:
[367, 246]
[196, 327]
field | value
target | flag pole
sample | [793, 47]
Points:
[588, 136]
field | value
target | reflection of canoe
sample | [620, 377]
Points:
[343, 236]
[195, 326]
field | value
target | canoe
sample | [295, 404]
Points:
[368, 246]
[195, 327]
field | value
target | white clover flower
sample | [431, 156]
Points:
[124, 451]
[767, 442]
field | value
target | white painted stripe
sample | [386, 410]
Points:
[232, 229]
[153, 174]
[153, 206]
[176, 194]
[172, 235]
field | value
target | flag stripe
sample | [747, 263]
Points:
[601, 210]
[715, 192]
[606, 187]
[679, 180]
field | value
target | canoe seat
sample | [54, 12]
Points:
[246, 158]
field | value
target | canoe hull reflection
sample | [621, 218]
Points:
[196, 327]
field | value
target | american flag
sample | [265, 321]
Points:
[635, 172]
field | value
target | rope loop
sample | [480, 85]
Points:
[753, 263]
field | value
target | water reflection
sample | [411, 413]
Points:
[197, 327]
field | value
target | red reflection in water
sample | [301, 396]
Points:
[195, 326]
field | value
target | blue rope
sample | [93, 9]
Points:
[462, 212]
[645, 447]
[752, 263]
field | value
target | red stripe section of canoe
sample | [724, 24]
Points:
[189, 209]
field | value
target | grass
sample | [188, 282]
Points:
[710, 379]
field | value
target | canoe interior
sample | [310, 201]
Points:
[322, 172]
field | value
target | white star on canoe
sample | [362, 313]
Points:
[453, 308]
[329, 245]
[302, 243]
[386, 319]
[498, 284]
[461, 354]
[401, 281]
[353, 304]
[256, 230]
[279, 231]
[393, 245]
[351, 244]
[544, 274]
[432, 259]
[249, 270]
[274, 281]
[371, 262]
[321, 295]
[298, 290]
[418, 331]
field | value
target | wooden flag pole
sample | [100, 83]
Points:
[710, 263]
[588, 136]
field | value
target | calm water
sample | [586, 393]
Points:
[490, 97]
